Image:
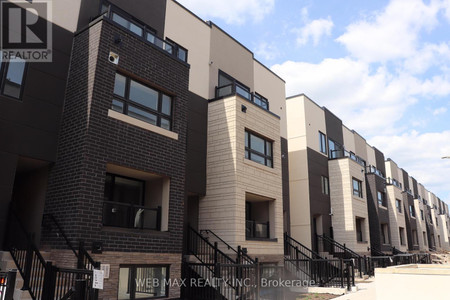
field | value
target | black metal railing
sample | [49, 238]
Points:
[295, 249]
[376, 252]
[258, 230]
[241, 255]
[324, 272]
[399, 259]
[342, 251]
[142, 30]
[7, 284]
[84, 260]
[236, 88]
[127, 215]
[370, 169]
[341, 153]
[393, 181]
[42, 279]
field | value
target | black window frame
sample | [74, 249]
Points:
[249, 150]
[4, 67]
[126, 101]
[401, 232]
[398, 205]
[323, 142]
[412, 211]
[381, 202]
[334, 153]
[357, 192]
[422, 215]
[133, 268]
[325, 184]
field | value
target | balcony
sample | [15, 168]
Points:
[342, 153]
[238, 89]
[127, 215]
[145, 32]
[392, 181]
[373, 170]
[256, 230]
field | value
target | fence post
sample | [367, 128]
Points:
[217, 276]
[80, 289]
[215, 252]
[347, 268]
[345, 251]
[258, 278]
[353, 275]
[10, 285]
[48, 292]
[28, 264]
[238, 258]
[80, 262]
[341, 267]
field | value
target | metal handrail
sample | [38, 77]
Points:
[289, 241]
[229, 247]
[61, 231]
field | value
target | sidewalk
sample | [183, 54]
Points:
[366, 291]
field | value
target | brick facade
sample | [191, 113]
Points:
[89, 139]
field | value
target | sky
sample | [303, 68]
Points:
[381, 66]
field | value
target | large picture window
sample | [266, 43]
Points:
[142, 102]
[258, 149]
[12, 75]
[143, 282]
[124, 204]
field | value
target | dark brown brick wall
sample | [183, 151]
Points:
[89, 140]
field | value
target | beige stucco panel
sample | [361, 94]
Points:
[195, 35]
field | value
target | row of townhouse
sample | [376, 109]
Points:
[342, 187]
[148, 124]
[152, 126]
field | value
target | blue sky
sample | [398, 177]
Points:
[383, 67]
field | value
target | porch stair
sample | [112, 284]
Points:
[6, 264]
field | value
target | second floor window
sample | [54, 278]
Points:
[142, 102]
[412, 211]
[258, 149]
[323, 143]
[421, 214]
[398, 205]
[12, 77]
[357, 188]
[381, 199]
[325, 185]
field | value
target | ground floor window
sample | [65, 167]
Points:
[402, 235]
[385, 233]
[360, 229]
[143, 281]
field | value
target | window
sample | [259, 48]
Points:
[439, 240]
[398, 205]
[384, 233]
[360, 229]
[402, 235]
[334, 149]
[357, 188]
[257, 225]
[124, 204]
[325, 185]
[424, 238]
[437, 224]
[258, 149]
[381, 196]
[142, 102]
[412, 211]
[415, 237]
[323, 143]
[143, 281]
[421, 214]
[11, 77]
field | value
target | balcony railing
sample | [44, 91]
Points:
[394, 182]
[131, 216]
[373, 170]
[236, 88]
[125, 20]
[258, 230]
[341, 153]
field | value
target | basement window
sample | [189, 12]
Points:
[143, 282]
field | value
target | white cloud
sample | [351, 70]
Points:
[420, 155]
[267, 51]
[439, 111]
[236, 12]
[314, 30]
[428, 56]
[392, 33]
